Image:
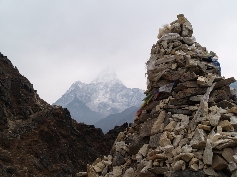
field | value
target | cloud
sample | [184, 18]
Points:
[55, 43]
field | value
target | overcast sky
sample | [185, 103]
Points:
[57, 42]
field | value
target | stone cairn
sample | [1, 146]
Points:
[187, 124]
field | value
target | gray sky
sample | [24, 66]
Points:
[57, 42]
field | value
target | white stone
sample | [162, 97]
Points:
[201, 80]
[232, 166]
[210, 172]
[144, 149]
[121, 146]
[235, 158]
[164, 141]
[228, 153]
[168, 148]
[199, 139]
[180, 164]
[208, 154]
[214, 119]
[129, 173]
[177, 139]
[99, 167]
[233, 121]
[117, 171]
[156, 126]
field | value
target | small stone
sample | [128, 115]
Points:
[233, 110]
[156, 163]
[99, 167]
[232, 166]
[193, 160]
[164, 141]
[214, 119]
[184, 156]
[228, 153]
[177, 139]
[208, 154]
[177, 151]
[218, 163]
[201, 80]
[170, 136]
[187, 148]
[200, 165]
[210, 172]
[170, 126]
[156, 126]
[144, 149]
[196, 98]
[129, 172]
[184, 141]
[194, 167]
[180, 164]
[233, 121]
[168, 148]
[117, 171]
[235, 158]
[204, 127]
[226, 125]
[81, 174]
[219, 129]
[91, 171]
[199, 139]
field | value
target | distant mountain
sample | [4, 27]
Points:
[105, 95]
[118, 119]
[81, 113]
[234, 85]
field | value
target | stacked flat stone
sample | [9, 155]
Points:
[189, 128]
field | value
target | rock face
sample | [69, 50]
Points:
[187, 124]
[37, 139]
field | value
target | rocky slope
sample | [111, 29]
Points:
[187, 124]
[37, 139]
[118, 119]
[105, 95]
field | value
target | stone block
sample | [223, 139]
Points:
[210, 172]
[233, 121]
[146, 128]
[208, 154]
[156, 126]
[154, 140]
[218, 163]
[144, 149]
[164, 140]
[214, 119]
[184, 156]
[170, 126]
[226, 125]
[177, 139]
[199, 139]
[178, 165]
[228, 153]
[117, 171]
[129, 172]
[232, 166]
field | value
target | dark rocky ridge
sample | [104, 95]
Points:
[37, 139]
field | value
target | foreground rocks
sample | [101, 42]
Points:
[187, 124]
[37, 139]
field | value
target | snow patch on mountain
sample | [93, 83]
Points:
[105, 95]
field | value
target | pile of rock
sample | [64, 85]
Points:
[188, 123]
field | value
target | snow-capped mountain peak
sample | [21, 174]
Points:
[107, 75]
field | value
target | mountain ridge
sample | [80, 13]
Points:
[106, 95]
